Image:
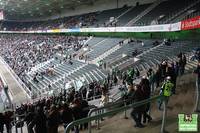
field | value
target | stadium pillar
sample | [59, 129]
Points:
[125, 115]
[117, 3]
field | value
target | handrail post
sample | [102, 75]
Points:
[125, 116]
[98, 121]
[164, 116]
[89, 126]
[197, 92]
[21, 129]
[90, 123]
[15, 119]
[151, 95]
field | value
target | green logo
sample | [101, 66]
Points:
[188, 123]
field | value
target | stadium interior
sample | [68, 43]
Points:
[102, 66]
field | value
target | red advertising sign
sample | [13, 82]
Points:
[192, 23]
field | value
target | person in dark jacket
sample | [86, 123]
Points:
[76, 109]
[137, 112]
[1, 122]
[137, 72]
[145, 87]
[163, 69]
[29, 117]
[181, 66]
[53, 120]
[184, 62]
[158, 76]
[84, 112]
[115, 80]
[66, 115]
[8, 119]
[197, 70]
[39, 121]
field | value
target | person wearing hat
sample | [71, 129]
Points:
[166, 91]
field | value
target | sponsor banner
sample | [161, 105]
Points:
[192, 23]
[64, 30]
[175, 27]
[100, 29]
[39, 31]
[74, 30]
[56, 30]
[150, 28]
[49, 31]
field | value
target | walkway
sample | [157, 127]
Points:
[18, 95]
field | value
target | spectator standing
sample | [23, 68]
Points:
[66, 115]
[137, 112]
[84, 113]
[137, 73]
[151, 78]
[53, 120]
[158, 76]
[181, 64]
[166, 91]
[76, 109]
[39, 121]
[184, 62]
[171, 72]
[8, 119]
[146, 89]
[1, 122]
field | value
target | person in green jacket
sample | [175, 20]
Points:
[166, 91]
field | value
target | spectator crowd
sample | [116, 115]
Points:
[84, 20]
[47, 114]
[22, 52]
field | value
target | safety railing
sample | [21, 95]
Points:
[118, 110]
[197, 104]
[108, 106]
[40, 65]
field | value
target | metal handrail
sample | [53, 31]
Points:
[96, 117]
[105, 107]
[197, 108]
[108, 106]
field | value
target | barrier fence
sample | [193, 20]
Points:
[118, 110]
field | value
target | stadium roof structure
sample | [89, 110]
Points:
[30, 9]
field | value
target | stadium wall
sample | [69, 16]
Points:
[187, 34]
